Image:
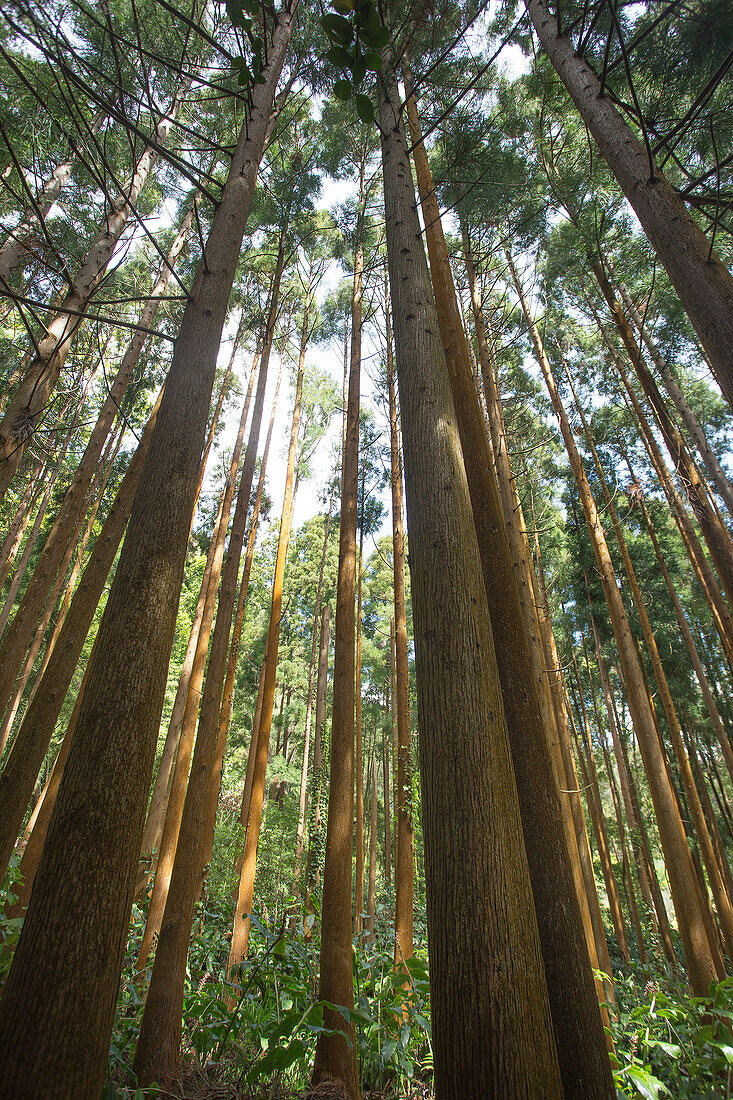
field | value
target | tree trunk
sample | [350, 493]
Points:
[715, 533]
[20, 633]
[243, 908]
[687, 416]
[24, 760]
[579, 1032]
[93, 842]
[313, 867]
[674, 842]
[155, 822]
[719, 609]
[336, 1054]
[304, 771]
[157, 1056]
[358, 758]
[180, 777]
[372, 886]
[228, 692]
[386, 763]
[595, 811]
[495, 1037]
[404, 854]
[703, 283]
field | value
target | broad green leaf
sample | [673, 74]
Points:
[364, 108]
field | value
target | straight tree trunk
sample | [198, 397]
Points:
[715, 533]
[372, 882]
[491, 1038]
[698, 955]
[77, 546]
[707, 695]
[704, 285]
[720, 895]
[304, 771]
[180, 776]
[336, 1054]
[228, 692]
[719, 609]
[404, 853]
[687, 416]
[648, 880]
[93, 842]
[595, 810]
[386, 762]
[243, 908]
[20, 632]
[155, 821]
[358, 758]
[31, 742]
[157, 1057]
[313, 866]
[581, 1043]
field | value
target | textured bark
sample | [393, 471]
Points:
[404, 853]
[579, 1032]
[31, 742]
[155, 822]
[648, 881]
[595, 810]
[335, 1056]
[719, 609]
[93, 842]
[720, 895]
[157, 1057]
[491, 1020]
[578, 842]
[700, 964]
[227, 700]
[358, 760]
[704, 285]
[372, 880]
[180, 776]
[313, 866]
[304, 771]
[59, 599]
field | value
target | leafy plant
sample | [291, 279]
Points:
[357, 34]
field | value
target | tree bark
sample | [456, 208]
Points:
[93, 842]
[157, 1057]
[404, 854]
[180, 777]
[243, 908]
[698, 956]
[491, 1038]
[579, 1032]
[24, 760]
[336, 1054]
[692, 424]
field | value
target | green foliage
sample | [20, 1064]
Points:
[669, 1044]
[357, 34]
